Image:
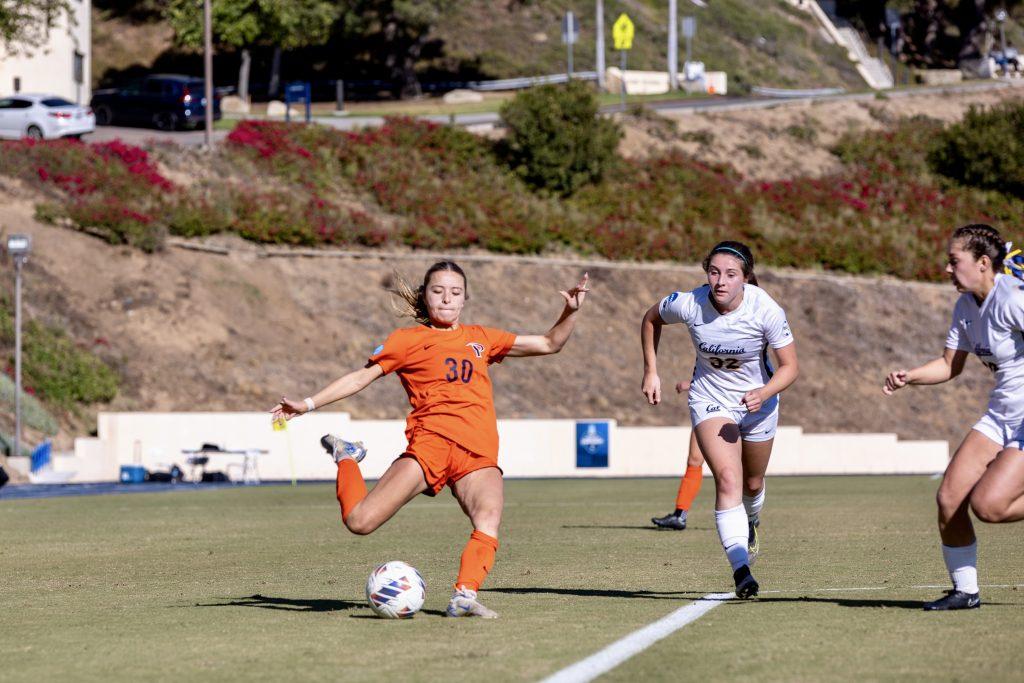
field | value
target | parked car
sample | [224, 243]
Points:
[165, 101]
[40, 116]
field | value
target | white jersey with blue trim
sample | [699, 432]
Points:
[732, 349]
[994, 331]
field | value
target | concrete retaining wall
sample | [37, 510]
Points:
[529, 448]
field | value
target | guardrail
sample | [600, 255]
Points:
[530, 81]
[789, 92]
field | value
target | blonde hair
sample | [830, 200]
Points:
[407, 302]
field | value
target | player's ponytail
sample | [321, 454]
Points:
[1013, 264]
[410, 302]
[740, 251]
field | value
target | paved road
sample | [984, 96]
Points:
[195, 138]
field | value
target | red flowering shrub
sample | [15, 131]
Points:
[111, 189]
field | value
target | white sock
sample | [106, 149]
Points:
[732, 530]
[753, 505]
[962, 565]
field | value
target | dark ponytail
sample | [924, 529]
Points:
[740, 251]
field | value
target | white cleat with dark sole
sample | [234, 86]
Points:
[465, 604]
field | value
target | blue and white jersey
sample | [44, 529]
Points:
[994, 331]
[732, 349]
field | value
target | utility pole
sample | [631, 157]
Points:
[208, 72]
[599, 57]
[673, 45]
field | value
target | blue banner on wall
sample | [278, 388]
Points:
[592, 443]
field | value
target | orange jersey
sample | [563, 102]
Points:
[444, 372]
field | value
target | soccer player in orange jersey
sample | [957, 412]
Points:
[452, 429]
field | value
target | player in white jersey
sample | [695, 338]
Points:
[987, 470]
[734, 392]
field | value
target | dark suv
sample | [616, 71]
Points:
[166, 101]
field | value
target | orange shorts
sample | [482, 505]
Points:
[443, 461]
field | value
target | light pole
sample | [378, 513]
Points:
[208, 73]
[1000, 18]
[18, 246]
[599, 34]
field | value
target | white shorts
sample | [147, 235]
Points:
[1006, 434]
[759, 426]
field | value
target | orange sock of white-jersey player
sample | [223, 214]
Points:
[689, 487]
[351, 487]
[477, 560]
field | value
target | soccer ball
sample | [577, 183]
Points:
[395, 590]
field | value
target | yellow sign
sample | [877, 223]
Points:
[622, 32]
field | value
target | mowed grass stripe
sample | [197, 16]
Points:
[263, 583]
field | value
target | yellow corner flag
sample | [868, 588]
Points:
[622, 32]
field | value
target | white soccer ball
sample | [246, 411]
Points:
[395, 590]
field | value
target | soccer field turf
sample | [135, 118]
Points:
[265, 584]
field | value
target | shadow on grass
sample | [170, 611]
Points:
[287, 604]
[431, 612]
[642, 527]
[601, 593]
[858, 602]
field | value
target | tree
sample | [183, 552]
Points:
[25, 24]
[557, 141]
[282, 24]
[402, 29]
[934, 33]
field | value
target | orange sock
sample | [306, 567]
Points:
[351, 487]
[689, 487]
[477, 560]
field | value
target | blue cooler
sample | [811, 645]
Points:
[133, 474]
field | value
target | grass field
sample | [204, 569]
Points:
[264, 584]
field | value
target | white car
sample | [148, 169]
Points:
[43, 117]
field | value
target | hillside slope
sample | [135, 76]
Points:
[198, 331]
[757, 43]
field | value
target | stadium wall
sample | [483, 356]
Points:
[529, 448]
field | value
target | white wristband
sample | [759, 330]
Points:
[310, 406]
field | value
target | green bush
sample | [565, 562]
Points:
[54, 368]
[556, 140]
[985, 149]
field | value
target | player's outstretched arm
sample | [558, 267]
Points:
[650, 336]
[935, 371]
[558, 335]
[343, 387]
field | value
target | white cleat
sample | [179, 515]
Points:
[465, 604]
[339, 449]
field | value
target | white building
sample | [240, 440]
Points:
[62, 66]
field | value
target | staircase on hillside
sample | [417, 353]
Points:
[874, 71]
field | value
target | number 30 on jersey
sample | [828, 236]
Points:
[459, 372]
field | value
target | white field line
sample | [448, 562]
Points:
[605, 660]
[610, 657]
